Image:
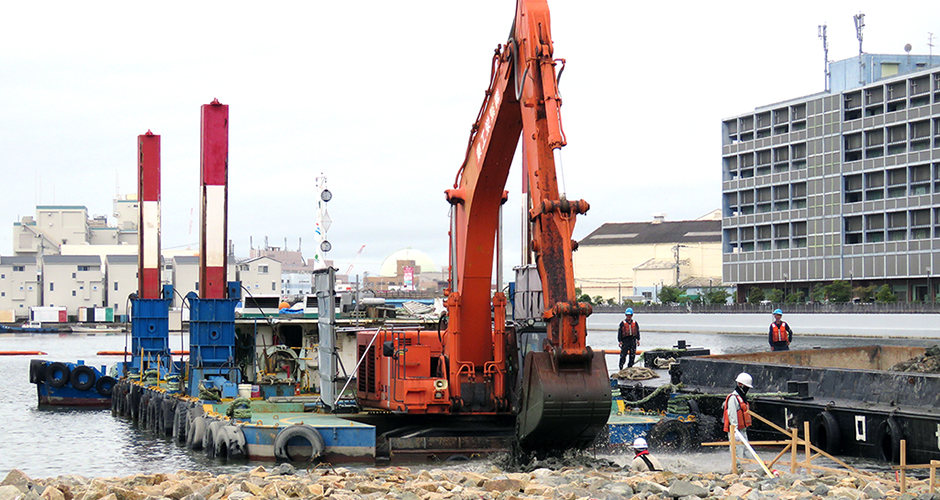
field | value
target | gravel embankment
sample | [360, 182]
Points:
[601, 481]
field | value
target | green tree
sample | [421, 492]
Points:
[755, 295]
[797, 297]
[716, 295]
[611, 302]
[774, 295]
[864, 293]
[597, 300]
[886, 295]
[839, 292]
[672, 295]
[582, 297]
[818, 293]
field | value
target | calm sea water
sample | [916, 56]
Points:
[45, 443]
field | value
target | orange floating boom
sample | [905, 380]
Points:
[22, 353]
[122, 353]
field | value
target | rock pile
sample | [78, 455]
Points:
[399, 483]
[929, 362]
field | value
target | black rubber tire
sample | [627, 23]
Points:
[707, 429]
[143, 410]
[303, 431]
[196, 433]
[105, 386]
[63, 378]
[825, 433]
[212, 433]
[169, 411]
[888, 440]
[669, 434]
[230, 443]
[37, 371]
[133, 402]
[83, 383]
[180, 416]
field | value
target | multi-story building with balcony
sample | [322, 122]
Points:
[841, 185]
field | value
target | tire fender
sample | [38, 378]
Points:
[37, 371]
[670, 434]
[57, 374]
[888, 440]
[230, 443]
[304, 431]
[825, 433]
[83, 383]
[209, 440]
[105, 386]
[196, 433]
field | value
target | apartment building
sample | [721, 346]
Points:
[20, 287]
[841, 185]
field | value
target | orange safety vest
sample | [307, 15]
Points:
[744, 418]
[779, 332]
[629, 329]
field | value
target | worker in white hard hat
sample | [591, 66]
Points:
[736, 407]
[643, 461]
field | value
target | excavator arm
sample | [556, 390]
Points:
[566, 393]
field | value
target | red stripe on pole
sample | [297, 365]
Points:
[148, 227]
[214, 180]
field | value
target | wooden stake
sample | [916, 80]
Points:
[734, 453]
[933, 474]
[793, 451]
[903, 463]
[806, 444]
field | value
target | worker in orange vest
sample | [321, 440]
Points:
[628, 336]
[736, 408]
[780, 334]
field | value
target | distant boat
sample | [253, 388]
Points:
[99, 329]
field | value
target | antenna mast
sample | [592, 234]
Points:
[930, 38]
[825, 41]
[859, 24]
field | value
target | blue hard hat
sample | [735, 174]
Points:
[629, 311]
[778, 311]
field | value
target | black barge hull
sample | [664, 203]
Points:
[854, 404]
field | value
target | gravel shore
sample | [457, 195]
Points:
[599, 480]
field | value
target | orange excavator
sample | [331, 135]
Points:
[561, 398]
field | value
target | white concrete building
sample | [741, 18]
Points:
[260, 275]
[19, 285]
[72, 281]
[294, 284]
[631, 259]
[120, 281]
[185, 273]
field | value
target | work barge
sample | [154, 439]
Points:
[853, 401]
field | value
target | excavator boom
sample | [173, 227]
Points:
[566, 393]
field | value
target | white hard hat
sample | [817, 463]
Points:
[640, 443]
[745, 380]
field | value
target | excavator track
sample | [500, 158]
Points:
[565, 403]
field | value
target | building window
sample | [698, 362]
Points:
[197, 286]
[81, 287]
[82, 268]
[272, 286]
[115, 286]
[51, 287]
[74, 275]
[73, 293]
[3, 294]
[262, 269]
[3, 276]
[19, 268]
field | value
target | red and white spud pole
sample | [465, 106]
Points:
[148, 226]
[214, 180]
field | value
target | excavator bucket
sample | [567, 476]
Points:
[565, 403]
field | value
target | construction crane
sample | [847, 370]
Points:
[564, 397]
[353, 261]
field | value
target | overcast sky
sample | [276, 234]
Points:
[379, 96]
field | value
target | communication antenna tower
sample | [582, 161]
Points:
[930, 38]
[859, 25]
[825, 41]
